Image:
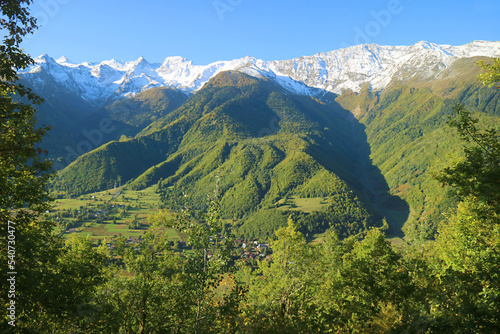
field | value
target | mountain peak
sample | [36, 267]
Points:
[175, 60]
[424, 45]
[43, 58]
[141, 61]
[63, 60]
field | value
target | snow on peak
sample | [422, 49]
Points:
[335, 71]
[141, 62]
[63, 60]
[45, 58]
[353, 67]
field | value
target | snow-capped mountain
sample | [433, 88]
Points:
[334, 71]
[353, 67]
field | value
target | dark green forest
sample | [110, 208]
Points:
[424, 153]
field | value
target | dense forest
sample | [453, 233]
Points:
[353, 281]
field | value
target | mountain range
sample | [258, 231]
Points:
[359, 130]
[335, 71]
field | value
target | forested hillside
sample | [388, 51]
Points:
[410, 142]
[266, 146]
[78, 127]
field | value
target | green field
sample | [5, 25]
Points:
[106, 215]
[304, 204]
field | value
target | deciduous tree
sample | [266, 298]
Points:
[50, 286]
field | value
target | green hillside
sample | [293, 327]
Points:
[78, 127]
[265, 146]
[374, 153]
[146, 107]
[410, 142]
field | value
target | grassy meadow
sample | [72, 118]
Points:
[105, 215]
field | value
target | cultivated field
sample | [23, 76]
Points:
[105, 215]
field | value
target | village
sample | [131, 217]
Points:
[119, 222]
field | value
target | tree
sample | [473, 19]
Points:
[211, 283]
[468, 251]
[478, 174]
[79, 271]
[50, 286]
[134, 224]
[23, 171]
[166, 291]
[467, 247]
[347, 286]
[151, 296]
[281, 293]
[492, 72]
[373, 286]
[120, 245]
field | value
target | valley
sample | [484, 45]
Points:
[104, 216]
[343, 161]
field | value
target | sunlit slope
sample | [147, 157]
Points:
[264, 144]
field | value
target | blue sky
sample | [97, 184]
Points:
[209, 30]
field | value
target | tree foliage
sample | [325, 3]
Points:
[23, 171]
[53, 279]
[491, 73]
[467, 246]
[477, 175]
[167, 290]
[280, 293]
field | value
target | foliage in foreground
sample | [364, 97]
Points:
[48, 280]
